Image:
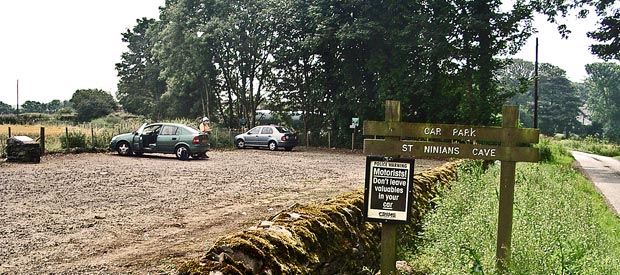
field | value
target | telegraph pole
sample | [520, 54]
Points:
[17, 97]
[536, 87]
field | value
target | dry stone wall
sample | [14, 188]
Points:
[22, 149]
[328, 238]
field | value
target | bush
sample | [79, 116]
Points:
[73, 140]
[553, 152]
[593, 145]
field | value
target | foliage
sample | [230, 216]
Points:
[6, 109]
[592, 145]
[116, 118]
[325, 59]
[8, 119]
[30, 106]
[92, 103]
[608, 30]
[604, 97]
[561, 225]
[139, 87]
[559, 99]
[553, 152]
[73, 140]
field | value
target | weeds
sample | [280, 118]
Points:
[560, 225]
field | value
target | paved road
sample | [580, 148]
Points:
[604, 172]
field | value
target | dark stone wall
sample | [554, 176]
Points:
[328, 238]
[22, 151]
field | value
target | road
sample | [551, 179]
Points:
[604, 172]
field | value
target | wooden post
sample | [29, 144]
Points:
[42, 140]
[353, 140]
[329, 139]
[67, 137]
[92, 137]
[9, 131]
[506, 193]
[389, 230]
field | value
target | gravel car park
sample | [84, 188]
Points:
[109, 214]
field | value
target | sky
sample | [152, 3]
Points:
[570, 54]
[54, 48]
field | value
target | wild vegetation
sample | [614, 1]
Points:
[561, 224]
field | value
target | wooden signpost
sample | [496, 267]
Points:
[509, 144]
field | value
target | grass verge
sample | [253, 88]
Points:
[561, 225]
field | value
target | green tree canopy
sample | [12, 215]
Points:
[92, 103]
[329, 60]
[139, 88]
[30, 106]
[6, 109]
[604, 97]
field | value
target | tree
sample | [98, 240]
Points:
[183, 59]
[53, 106]
[6, 109]
[139, 87]
[604, 97]
[559, 99]
[30, 106]
[92, 103]
[559, 102]
[242, 36]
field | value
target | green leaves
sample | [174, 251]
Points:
[92, 103]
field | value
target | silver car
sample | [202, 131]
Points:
[270, 136]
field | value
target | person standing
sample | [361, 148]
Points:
[204, 127]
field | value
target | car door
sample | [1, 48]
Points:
[167, 139]
[251, 137]
[265, 135]
[148, 137]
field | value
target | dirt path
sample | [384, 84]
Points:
[106, 214]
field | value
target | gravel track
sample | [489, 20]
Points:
[107, 214]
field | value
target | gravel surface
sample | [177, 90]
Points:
[108, 214]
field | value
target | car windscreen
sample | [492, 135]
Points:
[282, 129]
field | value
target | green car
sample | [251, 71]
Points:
[167, 138]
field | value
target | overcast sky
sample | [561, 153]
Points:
[57, 47]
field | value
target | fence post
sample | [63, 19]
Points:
[9, 131]
[42, 140]
[92, 137]
[66, 137]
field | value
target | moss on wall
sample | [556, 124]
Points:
[327, 238]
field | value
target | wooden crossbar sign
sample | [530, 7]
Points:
[509, 144]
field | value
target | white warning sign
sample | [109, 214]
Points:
[388, 189]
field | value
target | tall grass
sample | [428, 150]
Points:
[561, 225]
[592, 145]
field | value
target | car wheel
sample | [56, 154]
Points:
[240, 144]
[123, 148]
[273, 146]
[288, 148]
[182, 153]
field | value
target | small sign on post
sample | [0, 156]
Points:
[389, 189]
